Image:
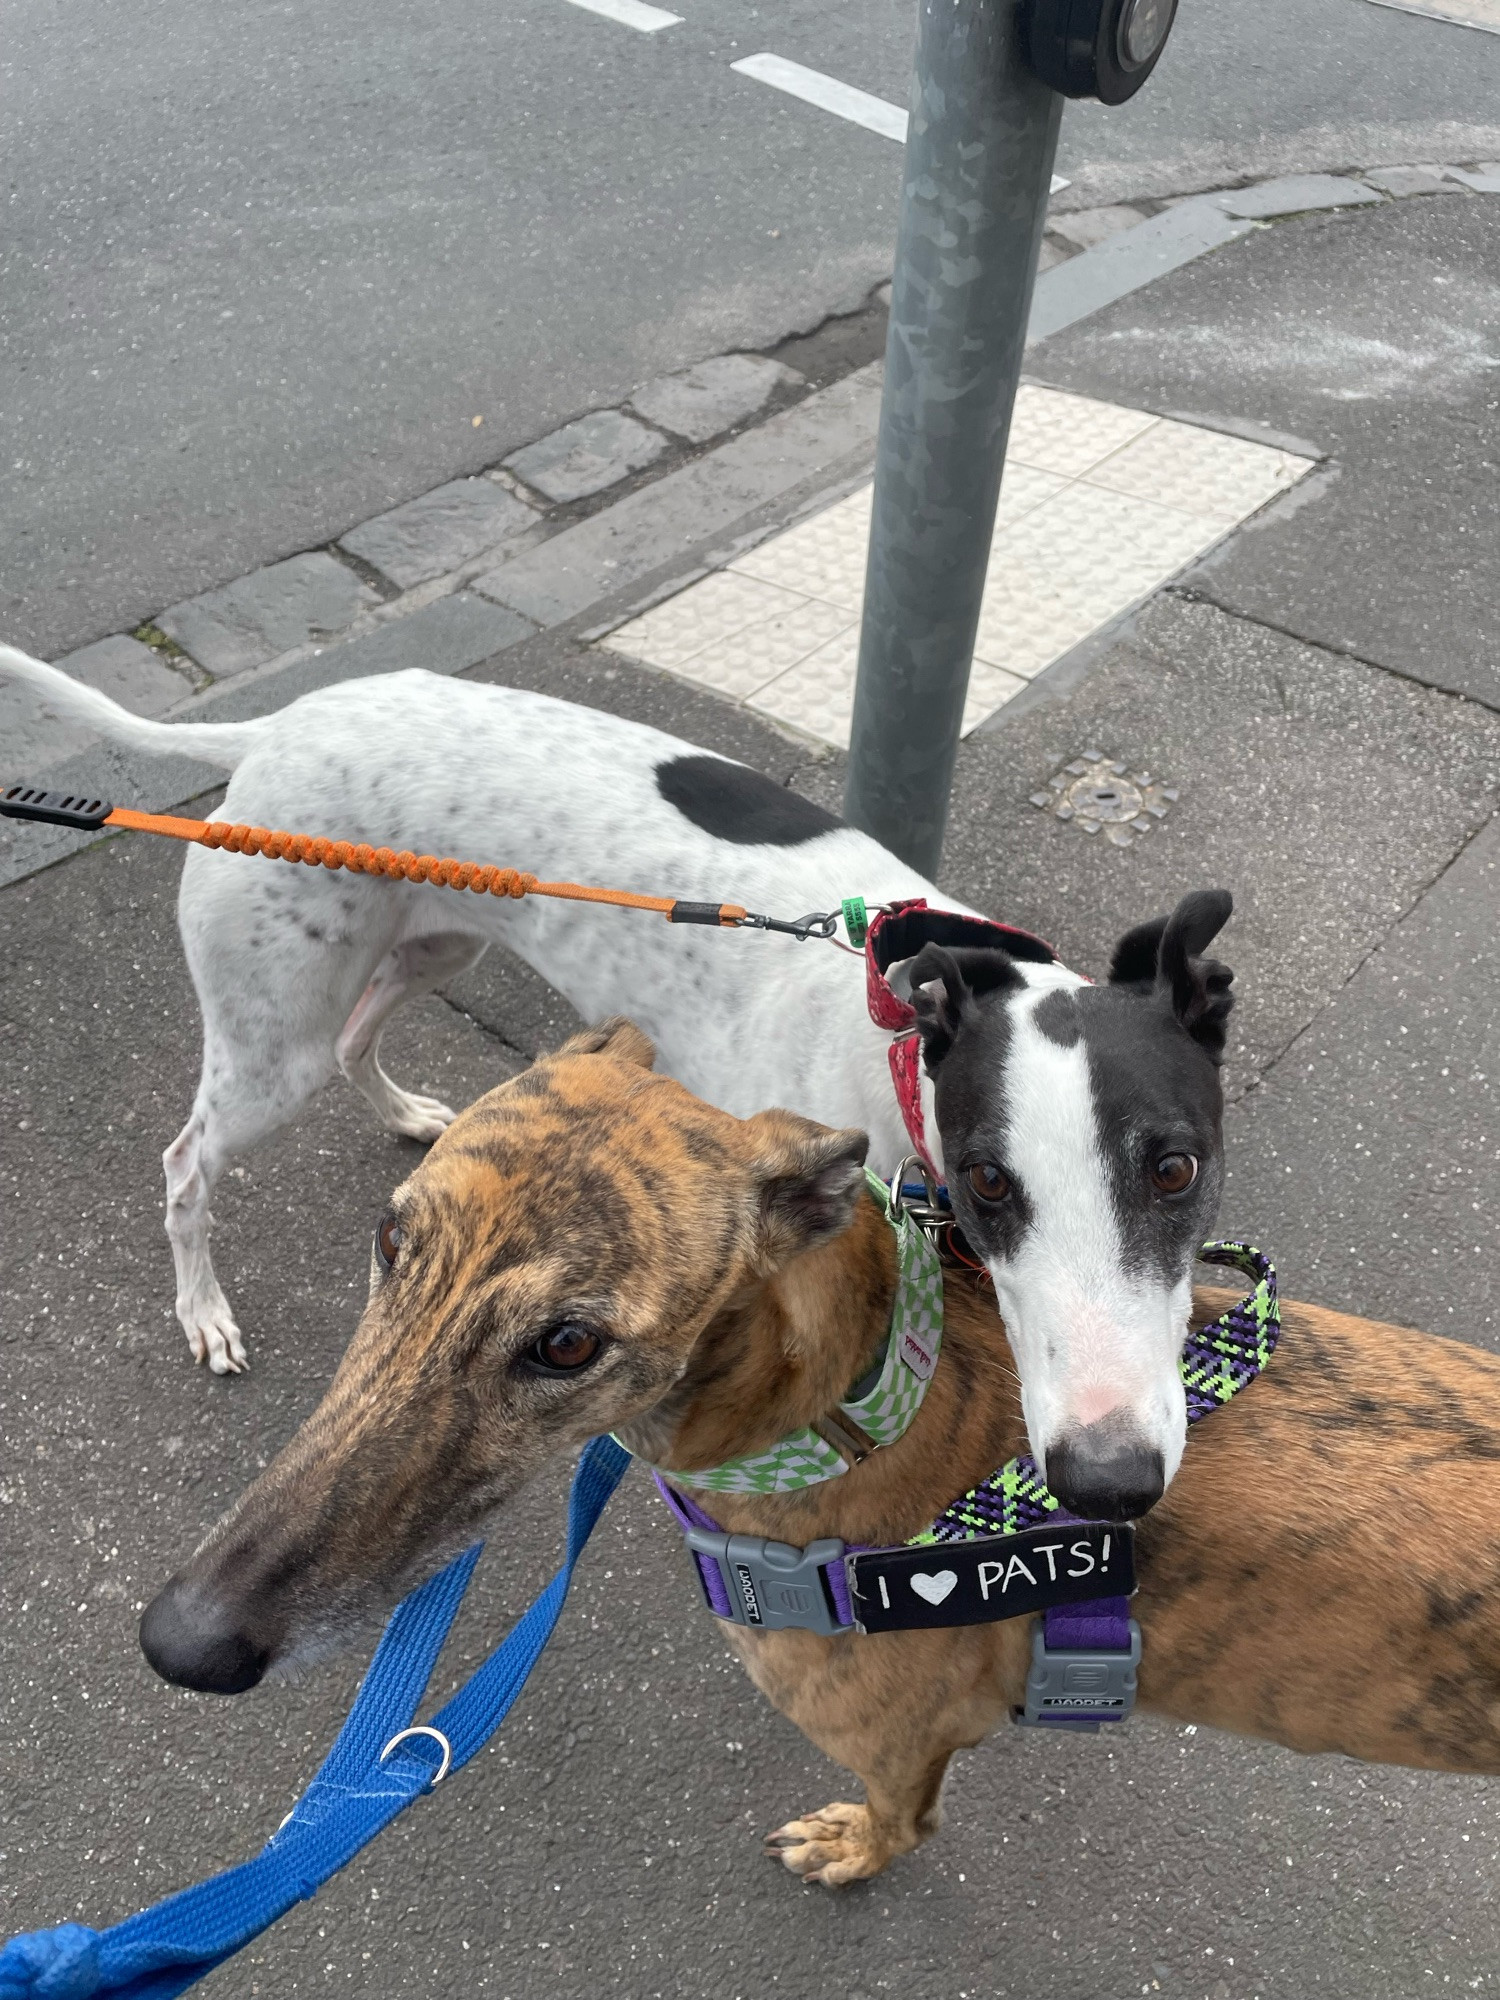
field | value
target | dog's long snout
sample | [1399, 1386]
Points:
[194, 1640]
[1103, 1472]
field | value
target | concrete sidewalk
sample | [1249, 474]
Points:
[1322, 696]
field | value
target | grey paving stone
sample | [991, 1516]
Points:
[1368, 1156]
[1484, 179]
[1367, 334]
[1093, 225]
[664, 521]
[701, 402]
[584, 457]
[440, 531]
[1403, 181]
[1295, 194]
[1325, 795]
[268, 612]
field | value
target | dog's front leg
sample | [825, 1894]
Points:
[892, 1709]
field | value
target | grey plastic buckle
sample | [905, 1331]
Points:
[772, 1586]
[1071, 1687]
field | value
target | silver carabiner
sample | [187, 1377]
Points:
[932, 1214]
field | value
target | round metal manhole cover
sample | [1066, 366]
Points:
[1107, 799]
[1102, 795]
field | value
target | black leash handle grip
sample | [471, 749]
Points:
[57, 808]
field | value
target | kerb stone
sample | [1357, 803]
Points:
[1296, 194]
[129, 673]
[440, 531]
[271, 611]
[584, 457]
[1403, 181]
[712, 397]
[1087, 226]
[122, 668]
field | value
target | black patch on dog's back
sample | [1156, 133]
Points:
[734, 803]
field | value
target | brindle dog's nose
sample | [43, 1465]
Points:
[1102, 1474]
[199, 1644]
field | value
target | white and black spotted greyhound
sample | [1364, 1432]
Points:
[1079, 1126]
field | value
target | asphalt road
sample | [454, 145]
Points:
[609, 1842]
[261, 267]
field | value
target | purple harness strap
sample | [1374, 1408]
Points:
[688, 1514]
[1101, 1626]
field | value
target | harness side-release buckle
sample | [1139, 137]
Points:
[770, 1586]
[1076, 1687]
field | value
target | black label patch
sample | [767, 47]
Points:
[1000, 1576]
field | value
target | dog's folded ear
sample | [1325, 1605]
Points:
[1165, 957]
[615, 1037]
[943, 983]
[810, 1181]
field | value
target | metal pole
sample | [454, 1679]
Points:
[977, 174]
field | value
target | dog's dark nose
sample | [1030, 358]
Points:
[198, 1644]
[1101, 1475]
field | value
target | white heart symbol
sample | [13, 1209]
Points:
[935, 1588]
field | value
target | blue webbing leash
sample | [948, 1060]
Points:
[164, 1950]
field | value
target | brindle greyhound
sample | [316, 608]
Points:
[591, 1248]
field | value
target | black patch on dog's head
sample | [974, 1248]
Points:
[732, 802]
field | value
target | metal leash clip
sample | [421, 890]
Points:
[929, 1210]
[819, 924]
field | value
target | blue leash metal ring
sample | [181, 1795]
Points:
[423, 1729]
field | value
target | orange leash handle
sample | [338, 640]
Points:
[404, 866]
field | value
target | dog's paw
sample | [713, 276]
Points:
[424, 1118]
[834, 1846]
[214, 1338]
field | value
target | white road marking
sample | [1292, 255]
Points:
[631, 14]
[842, 99]
[1483, 14]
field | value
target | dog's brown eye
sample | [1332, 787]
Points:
[988, 1182]
[388, 1240]
[565, 1349]
[1174, 1173]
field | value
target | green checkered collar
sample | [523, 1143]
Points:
[882, 1410]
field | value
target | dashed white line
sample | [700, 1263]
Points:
[842, 99]
[631, 14]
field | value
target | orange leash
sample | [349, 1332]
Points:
[88, 814]
[401, 865]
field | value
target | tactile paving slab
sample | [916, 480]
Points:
[1100, 505]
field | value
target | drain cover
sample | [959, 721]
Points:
[1098, 794]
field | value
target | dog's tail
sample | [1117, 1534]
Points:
[220, 743]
